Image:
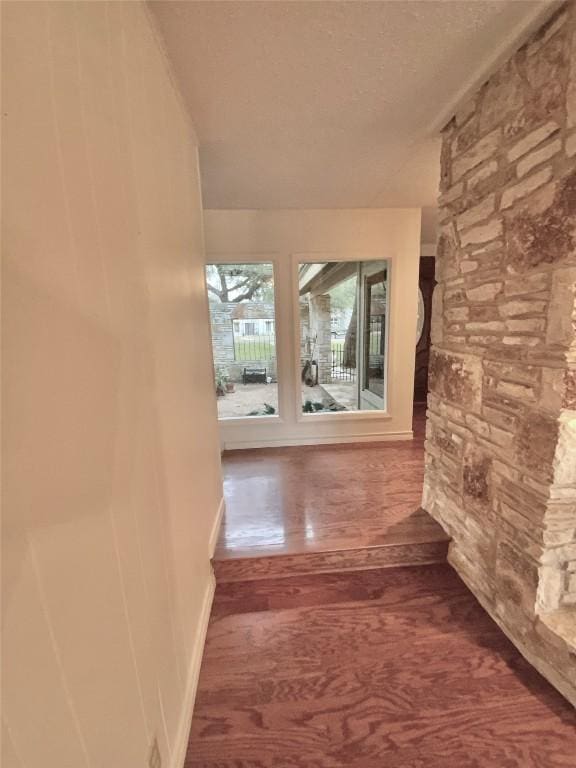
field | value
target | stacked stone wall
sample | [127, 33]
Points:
[501, 431]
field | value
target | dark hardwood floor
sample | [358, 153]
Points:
[325, 508]
[318, 657]
[390, 668]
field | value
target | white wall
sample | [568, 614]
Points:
[110, 444]
[282, 237]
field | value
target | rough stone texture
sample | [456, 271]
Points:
[501, 431]
[321, 334]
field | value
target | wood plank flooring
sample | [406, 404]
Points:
[386, 668]
[325, 508]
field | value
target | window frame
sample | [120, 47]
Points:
[329, 257]
[239, 258]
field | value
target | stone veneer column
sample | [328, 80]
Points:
[321, 329]
[501, 430]
[222, 333]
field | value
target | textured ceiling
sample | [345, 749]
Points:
[330, 104]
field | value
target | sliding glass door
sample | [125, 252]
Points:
[372, 319]
[343, 306]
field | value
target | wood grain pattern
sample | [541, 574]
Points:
[359, 558]
[391, 668]
[325, 508]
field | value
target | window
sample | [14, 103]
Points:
[242, 323]
[343, 335]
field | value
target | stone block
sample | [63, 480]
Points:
[447, 442]
[482, 234]
[484, 250]
[437, 322]
[571, 89]
[529, 503]
[518, 286]
[485, 292]
[456, 378]
[503, 97]
[569, 401]
[561, 327]
[552, 390]
[446, 253]
[478, 213]
[525, 187]
[483, 173]
[544, 90]
[536, 443]
[520, 307]
[559, 555]
[538, 157]
[522, 392]
[551, 584]
[520, 341]
[533, 139]
[454, 193]
[484, 312]
[468, 265]
[493, 326]
[454, 295]
[476, 475]
[499, 417]
[516, 577]
[479, 152]
[528, 325]
[456, 314]
[565, 456]
[545, 234]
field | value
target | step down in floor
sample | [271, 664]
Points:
[323, 589]
[268, 566]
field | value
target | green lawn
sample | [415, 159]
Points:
[255, 348]
[264, 347]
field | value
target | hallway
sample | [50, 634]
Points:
[322, 652]
[240, 240]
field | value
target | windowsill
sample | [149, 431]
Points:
[239, 420]
[344, 416]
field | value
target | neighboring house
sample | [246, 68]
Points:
[256, 327]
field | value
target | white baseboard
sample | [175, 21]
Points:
[216, 527]
[183, 732]
[231, 445]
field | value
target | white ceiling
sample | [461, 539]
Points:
[331, 104]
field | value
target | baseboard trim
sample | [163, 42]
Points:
[183, 732]
[232, 445]
[216, 527]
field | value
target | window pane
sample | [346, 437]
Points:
[343, 333]
[242, 320]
